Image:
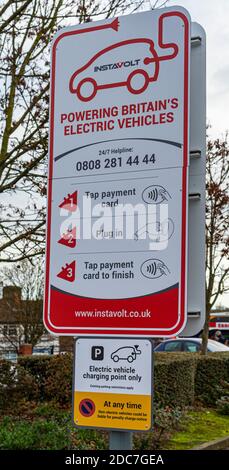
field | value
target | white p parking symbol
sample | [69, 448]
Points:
[97, 353]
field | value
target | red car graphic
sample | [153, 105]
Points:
[77, 85]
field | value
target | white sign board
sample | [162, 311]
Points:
[119, 144]
[113, 382]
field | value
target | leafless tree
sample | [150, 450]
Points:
[26, 29]
[217, 227]
[27, 276]
[23, 313]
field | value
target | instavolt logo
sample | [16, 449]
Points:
[117, 65]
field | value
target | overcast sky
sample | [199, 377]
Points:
[213, 15]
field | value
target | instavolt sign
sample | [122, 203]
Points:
[116, 259]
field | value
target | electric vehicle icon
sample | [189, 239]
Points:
[136, 80]
[118, 66]
[126, 353]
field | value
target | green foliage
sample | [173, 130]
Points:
[197, 427]
[174, 376]
[211, 370]
[37, 367]
[53, 376]
[33, 435]
[223, 403]
[88, 439]
[58, 384]
[165, 420]
[52, 431]
[49, 410]
[15, 384]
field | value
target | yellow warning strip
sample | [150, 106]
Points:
[110, 410]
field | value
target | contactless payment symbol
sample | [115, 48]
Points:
[68, 272]
[69, 202]
[69, 237]
[87, 407]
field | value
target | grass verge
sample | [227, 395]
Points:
[198, 427]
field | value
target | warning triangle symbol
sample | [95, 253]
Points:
[69, 202]
[69, 238]
[68, 272]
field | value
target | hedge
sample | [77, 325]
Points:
[174, 379]
[179, 378]
[15, 383]
[211, 372]
[53, 376]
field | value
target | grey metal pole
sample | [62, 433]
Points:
[120, 440]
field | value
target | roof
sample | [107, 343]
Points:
[13, 309]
